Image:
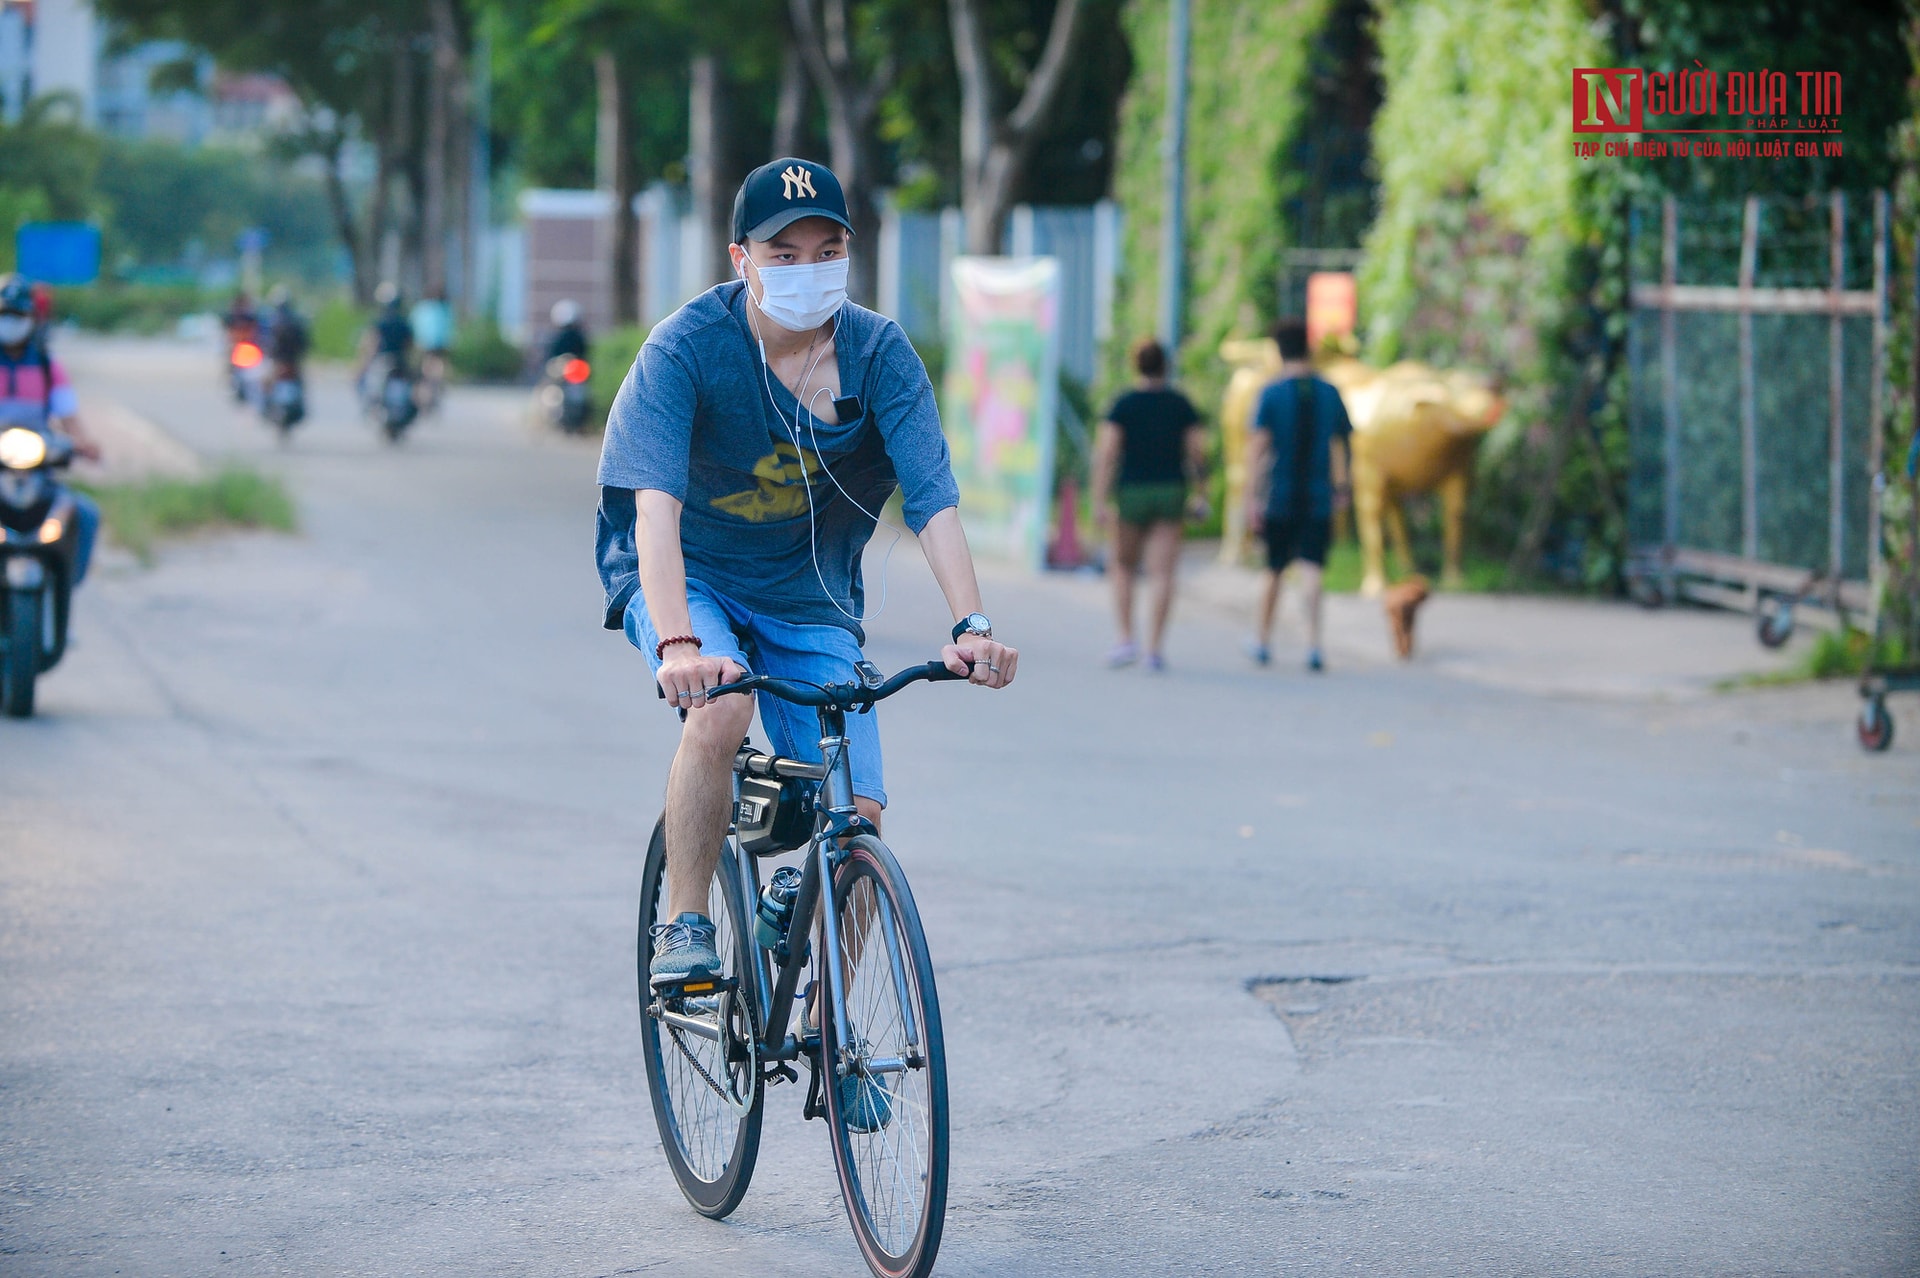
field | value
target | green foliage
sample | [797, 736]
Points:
[336, 328]
[1479, 192]
[165, 202]
[480, 353]
[113, 306]
[138, 514]
[1900, 503]
[1860, 38]
[47, 167]
[1494, 249]
[1846, 653]
[1247, 91]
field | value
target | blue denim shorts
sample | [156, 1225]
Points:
[762, 645]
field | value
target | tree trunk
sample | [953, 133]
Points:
[790, 113]
[712, 202]
[446, 94]
[402, 159]
[852, 100]
[613, 173]
[994, 150]
[360, 262]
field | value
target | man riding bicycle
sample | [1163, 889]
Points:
[747, 455]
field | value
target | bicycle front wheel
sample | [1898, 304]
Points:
[886, 1069]
[702, 1069]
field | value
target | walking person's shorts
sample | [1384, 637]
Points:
[1289, 539]
[1143, 504]
[762, 645]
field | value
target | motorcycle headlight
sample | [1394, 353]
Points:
[51, 529]
[22, 449]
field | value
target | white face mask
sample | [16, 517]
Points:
[15, 329]
[802, 297]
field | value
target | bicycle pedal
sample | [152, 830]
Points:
[779, 1072]
[673, 991]
[816, 1102]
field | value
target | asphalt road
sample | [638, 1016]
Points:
[318, 873]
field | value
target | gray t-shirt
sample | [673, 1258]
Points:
[698, 418]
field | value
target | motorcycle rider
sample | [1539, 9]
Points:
[35, 393]
[287, 341]
[388, 337]
[569, 334]
[432, 322]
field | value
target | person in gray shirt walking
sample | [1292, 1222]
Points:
[748, 452]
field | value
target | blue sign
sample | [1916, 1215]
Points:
[58, 252]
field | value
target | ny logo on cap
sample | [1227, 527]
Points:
[795, 180]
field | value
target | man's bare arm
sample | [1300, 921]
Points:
[663, 584]
[945, 543]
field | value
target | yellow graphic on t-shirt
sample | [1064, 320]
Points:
[783, 476]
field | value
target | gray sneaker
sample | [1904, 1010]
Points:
[866, 1102]
[683, 950]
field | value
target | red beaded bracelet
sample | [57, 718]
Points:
[660, 649]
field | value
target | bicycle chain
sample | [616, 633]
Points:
[674, 1032]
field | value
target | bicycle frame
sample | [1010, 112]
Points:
[836, 818]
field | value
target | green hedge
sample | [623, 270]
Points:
[481, 354]
[1246, 95]
[131, 308]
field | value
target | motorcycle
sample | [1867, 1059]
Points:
[285, 403]
[563, 393]
[388, 397]
[244, 358]
[39, 537]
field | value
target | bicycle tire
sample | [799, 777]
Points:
[899, 1234]
[710, 1149]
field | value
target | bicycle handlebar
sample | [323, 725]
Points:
[847, 696]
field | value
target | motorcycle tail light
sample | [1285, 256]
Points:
[577, 371]
[245, 355]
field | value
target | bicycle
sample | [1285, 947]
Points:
[713, 1047]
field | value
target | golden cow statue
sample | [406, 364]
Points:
[1415, 430]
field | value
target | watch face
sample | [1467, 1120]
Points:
[978, 623]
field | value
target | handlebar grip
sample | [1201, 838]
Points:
[937, 672]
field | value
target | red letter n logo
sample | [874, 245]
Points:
[1606, 100]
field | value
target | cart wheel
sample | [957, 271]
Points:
[1647, 590]
[1875, 725]
[1774, 622]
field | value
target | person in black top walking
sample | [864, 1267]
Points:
[1148, 456]
[1297, 477]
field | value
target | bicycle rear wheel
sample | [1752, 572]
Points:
[893, 1172]
[706, 1090]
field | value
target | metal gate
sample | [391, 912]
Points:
[1757, 391]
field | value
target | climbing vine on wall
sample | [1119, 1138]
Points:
[1487, 246]
[1246, 94]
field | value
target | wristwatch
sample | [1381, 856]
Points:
[975, 624]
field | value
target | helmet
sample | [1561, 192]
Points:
[388, 294]
[16, 295]
[566, 311]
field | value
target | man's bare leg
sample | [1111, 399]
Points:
[699, 792]
[1163, 556]
[1269, 603]
[1310, 578]
[1126, 562]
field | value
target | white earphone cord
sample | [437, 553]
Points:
[806, 480]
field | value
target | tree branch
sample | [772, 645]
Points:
[1043, 87]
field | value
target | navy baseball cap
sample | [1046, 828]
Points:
[778, 194]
